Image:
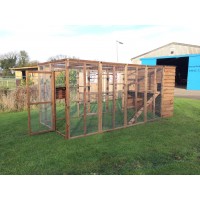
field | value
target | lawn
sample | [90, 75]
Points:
[166, 146]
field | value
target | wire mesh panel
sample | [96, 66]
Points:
[76, 101]
[91, 99]
[108, 101]
[141, 94]
[159, 79]
[83, 99]
[132, 94]
[40, 104]
[151, 93]
[119, 96]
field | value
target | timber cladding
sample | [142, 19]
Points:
[80, 97]
[168, 85]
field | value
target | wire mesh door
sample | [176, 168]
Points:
[40, 101]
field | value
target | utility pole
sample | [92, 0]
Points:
[118, 42]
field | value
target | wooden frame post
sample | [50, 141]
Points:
[107, 90]
[53, 96]
[84, 99]
[28, 102]
[67, 103]
[162, 89]
[78, 93]
[145, 93]
[125, 94]
[100, 97]
[88, 89]
[136, 91]
[114, 96]
[154, 91]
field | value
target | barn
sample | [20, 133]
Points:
[185, 57]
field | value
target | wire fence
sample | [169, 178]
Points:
[11, 82]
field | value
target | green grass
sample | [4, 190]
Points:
[167, 146]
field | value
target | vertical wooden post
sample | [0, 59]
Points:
[125, 94]
[136, 91]
[53, 103]
[28, 102]
[154, 91]
[84, 99]
[67, 103]
[162, 89]
[100, 97]
[88, 86]
[107, 90]
[114, 96]
[145, 93]
[78, 94]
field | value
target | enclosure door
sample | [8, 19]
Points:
[41, 102]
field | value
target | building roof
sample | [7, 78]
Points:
[172, 43]
[24, 68]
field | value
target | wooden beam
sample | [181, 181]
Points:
[78, 93]
[107, 90]
[67, 100]
[149, 102]
[100, 97]
[154, 92]
[28, 102]
[53, 104]
[84, 99]
[145, 93]
[136, 91]
[114, 96]
[125, 94]
[162, 89]
[88, 89]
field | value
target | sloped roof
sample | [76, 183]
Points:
[24, 68]
[172, 43]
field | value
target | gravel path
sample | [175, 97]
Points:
[192, 94]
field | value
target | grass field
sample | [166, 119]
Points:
[8, 83]
[167, 146]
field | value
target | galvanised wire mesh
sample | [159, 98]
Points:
[91, 104]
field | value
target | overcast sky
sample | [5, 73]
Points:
[44, 30]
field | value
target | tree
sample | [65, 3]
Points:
[61, 57]
[58, 57]
[72, 73]
[23, 59]
[7, 61]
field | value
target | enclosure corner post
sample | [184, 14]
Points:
[114, 96]
[136, 91]
[154, 92]
[125, 94]
[162, 90]
[145, 93]
[28, 102]
[67, 103]
[100, 97]
[84, 99]
[53, 101]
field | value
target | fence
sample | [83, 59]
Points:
[7, 82]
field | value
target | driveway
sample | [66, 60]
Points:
[191, 94]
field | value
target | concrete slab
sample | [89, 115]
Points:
[191, 94]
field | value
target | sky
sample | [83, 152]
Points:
[49, 29]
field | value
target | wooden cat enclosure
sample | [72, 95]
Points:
[77, 98]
